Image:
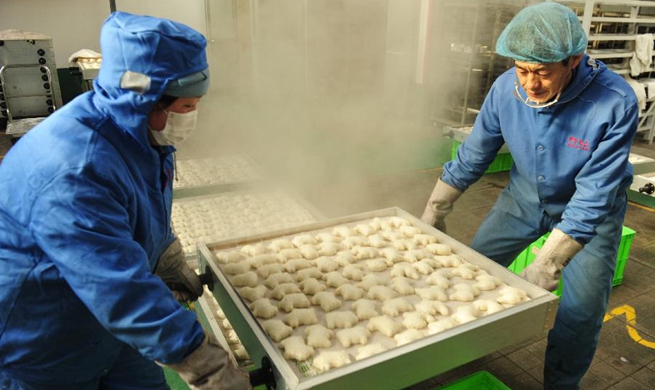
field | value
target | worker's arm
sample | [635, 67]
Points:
[84, 228]
[479, 149]
[600, 179]
[473, 157]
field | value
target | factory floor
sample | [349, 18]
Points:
[625, 359]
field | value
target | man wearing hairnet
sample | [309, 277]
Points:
[568, 122]
[86, 247]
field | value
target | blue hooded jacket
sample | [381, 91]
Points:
[570, 159]
[85, 205]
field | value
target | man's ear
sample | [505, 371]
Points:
[575, 60]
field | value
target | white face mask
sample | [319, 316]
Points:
[178, 128]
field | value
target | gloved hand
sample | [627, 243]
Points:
[557, 252]
[440, 204]
[176, 273]
[210, 368]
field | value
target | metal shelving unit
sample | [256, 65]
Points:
[468, 60]
[612, 27]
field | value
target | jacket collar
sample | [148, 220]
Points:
[583, 75]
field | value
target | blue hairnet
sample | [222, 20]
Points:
[542, 33]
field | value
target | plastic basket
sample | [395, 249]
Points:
[502, 163]
[481, 380]
[174, 381]
[526, 257]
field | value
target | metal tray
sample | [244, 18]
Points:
[207, 318]
[304, 204]
[206, 312]
[215, 185]
[409, 363]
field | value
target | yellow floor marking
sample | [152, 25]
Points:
[642, 206]
[631, 318]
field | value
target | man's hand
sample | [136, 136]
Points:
[210, 368]
[178, 276]
[440, 204]
[557, 252]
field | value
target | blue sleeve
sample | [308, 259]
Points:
[479, 149]
[82, 224]
[600, 179]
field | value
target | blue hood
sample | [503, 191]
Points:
[146, 52]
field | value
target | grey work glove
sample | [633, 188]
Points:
[440, 204]
[209, 367]
[557, 252]
[177, 275]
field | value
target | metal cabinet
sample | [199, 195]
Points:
[29, 86]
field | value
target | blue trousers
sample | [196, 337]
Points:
[130, 371]
[508, 229]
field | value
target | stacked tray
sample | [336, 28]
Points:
[428, 338]
[213, 319]
[202, 176]
[216, 217]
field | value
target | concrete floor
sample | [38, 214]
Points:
[625, 359]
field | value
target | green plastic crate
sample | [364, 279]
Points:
[526, 257]
[174, 381]
[481, 380]
[502, 163]
[624, 252]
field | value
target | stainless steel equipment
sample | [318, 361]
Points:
[29, 85]
[409, 363]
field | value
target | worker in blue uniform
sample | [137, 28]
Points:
[86, 247]
[568, 122]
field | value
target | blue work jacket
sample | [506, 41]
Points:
[85, 204]
[570, 159]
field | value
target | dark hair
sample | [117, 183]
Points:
[164, 101]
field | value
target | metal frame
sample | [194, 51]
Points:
[411, 362]
[647, 129]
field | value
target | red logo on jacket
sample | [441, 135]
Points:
[577, 143]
